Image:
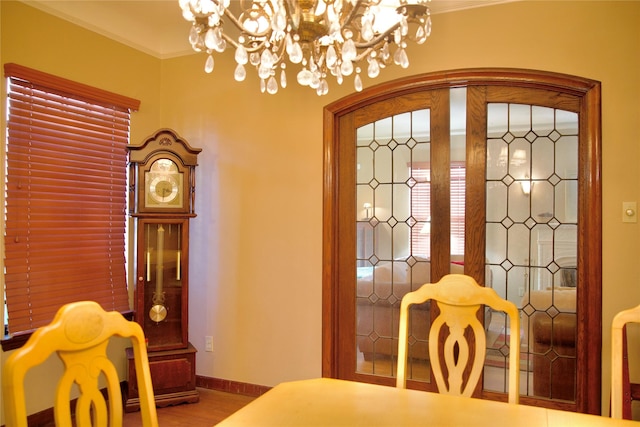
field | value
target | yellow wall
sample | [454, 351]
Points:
[37, 40]
[256, 243]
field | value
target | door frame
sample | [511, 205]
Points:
[589, 298]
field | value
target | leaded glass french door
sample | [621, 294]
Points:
[497, 178]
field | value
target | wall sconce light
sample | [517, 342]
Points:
[367, 207]
[526, 185]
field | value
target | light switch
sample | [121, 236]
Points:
[629, 212]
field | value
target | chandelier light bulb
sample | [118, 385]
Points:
[349, 51]
[240, 74]
[346, 68]
[193, 36]
[208, 66]
[323, 89]
[367, 28]
[296, 55]
[332, 57]
[404, 27]
[272, 85]
[209, 39]
[421, 35]
[327, 37]
[241, 55]
[374, 68]
[357, 83]
[254, 59]
[213, 20]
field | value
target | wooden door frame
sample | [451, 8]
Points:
[589, 304]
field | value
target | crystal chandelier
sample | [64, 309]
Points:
[322, 36]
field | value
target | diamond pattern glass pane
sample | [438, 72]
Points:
[531, 243]
[392, 183]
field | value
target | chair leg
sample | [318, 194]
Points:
[626, 386]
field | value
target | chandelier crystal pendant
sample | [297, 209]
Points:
[321, 36]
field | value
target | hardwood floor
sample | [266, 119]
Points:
[213, 407]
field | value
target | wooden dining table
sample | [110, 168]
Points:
[332, 402]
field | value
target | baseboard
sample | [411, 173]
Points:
[229, 386]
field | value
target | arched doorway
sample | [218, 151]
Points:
[493, 172]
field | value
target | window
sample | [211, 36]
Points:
[65, 196]
[458, 186]
[421, 209]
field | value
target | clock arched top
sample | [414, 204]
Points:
[164, 141]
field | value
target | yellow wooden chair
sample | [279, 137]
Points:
[459, 298]
[79, 334]
[622, 391]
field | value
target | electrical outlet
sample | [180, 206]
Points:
[208, 343]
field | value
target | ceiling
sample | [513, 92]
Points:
[157, 27]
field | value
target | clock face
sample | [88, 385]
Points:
[163, 189]
[163, 185]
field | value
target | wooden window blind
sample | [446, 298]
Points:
[421, 209]
[65, 187]
[458, 186]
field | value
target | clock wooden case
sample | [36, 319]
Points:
[161, 200]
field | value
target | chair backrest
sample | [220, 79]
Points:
[459, 298]
[631, 315]
[79, 334]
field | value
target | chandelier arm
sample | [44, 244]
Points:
[378, 39]
[351, 14]
[382, 36]
[259, 45]
[281, 52]
[363, 55]
[230, 40]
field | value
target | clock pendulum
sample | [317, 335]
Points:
[158, 311]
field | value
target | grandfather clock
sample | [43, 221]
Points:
[161, 200]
